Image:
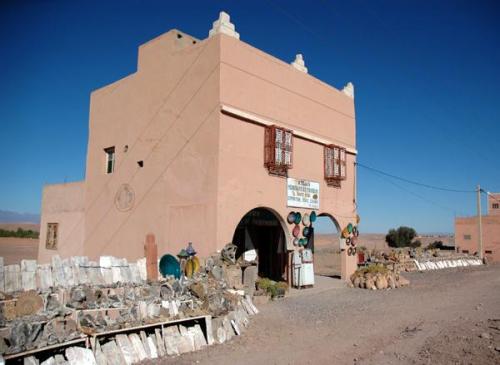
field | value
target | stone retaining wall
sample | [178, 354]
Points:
[69, 272]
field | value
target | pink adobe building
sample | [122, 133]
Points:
[467, 231]
[210, 141]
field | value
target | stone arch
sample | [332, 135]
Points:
[264, 230]
[327, 256]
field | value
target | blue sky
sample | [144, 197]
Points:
[426, 75]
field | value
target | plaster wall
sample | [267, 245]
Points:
[165, 115]
[63, 204]
[491, 235]
[254, 81]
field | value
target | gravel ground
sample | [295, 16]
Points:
[445, 317]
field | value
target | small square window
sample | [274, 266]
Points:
[467, 236]
[52, 232]
[110, 159]
[465, 251]
[495, 205]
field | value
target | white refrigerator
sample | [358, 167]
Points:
[303, 268]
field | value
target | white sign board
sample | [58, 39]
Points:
[302, 193]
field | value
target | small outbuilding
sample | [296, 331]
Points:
[467, 231]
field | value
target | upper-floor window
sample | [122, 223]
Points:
[467, 236]
[278, 150]
[495, 205]
[335, 165]
[110, 159]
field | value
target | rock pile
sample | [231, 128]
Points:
[214, 298]
[156, 342]
[409, 260]
[377, 277]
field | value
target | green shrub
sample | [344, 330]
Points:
[435, 245]
[272, 288]
[372, 269]
[401, 237]
[415, 244]
[264, 284]
[282, 285]
[19, 233]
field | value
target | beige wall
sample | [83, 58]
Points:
[491, 235]
[167, 115]
[63, 204]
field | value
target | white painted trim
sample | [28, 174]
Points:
[266, 122]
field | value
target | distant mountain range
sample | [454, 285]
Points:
[16, 217]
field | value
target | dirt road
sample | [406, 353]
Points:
[445, 317]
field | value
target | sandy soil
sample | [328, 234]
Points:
[376, 240]
[445, 317]
[15, 226]
[13, 250]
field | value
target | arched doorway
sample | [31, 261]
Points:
[327, 256]
[261, 229]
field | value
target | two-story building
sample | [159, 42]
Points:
[467, 231]
[210, 141]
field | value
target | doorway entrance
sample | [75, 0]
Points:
[327, 257]
[261, 230]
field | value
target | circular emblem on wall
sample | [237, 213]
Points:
[124, 198]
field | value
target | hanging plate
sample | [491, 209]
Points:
[312, 217]
[306, 220]
[298, 217]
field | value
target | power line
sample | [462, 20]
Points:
[297, 21]
[420, 196]
[414, 182]
[490, 195]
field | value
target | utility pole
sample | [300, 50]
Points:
[480, 224]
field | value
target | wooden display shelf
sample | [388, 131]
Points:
[46, 348]
[145, 326]
[88, 339]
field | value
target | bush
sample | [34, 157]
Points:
[372, 269]
[19, 233]
[415, 244]
[401, 237]
[272, 288]
[264, 284]
[435, 245]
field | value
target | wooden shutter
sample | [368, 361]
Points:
[335, 165]
[278, 150]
